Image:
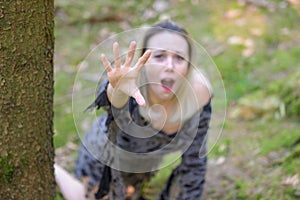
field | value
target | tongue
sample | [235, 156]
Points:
[167, 83]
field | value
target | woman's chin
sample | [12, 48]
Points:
[166, 94]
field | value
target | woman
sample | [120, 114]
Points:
[158, 106]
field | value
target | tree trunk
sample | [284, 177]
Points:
[26, 99]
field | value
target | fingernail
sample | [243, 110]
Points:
[141, 102]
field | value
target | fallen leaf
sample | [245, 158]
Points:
[291, 181]
[231, 14]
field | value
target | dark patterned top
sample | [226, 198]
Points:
[104, 157]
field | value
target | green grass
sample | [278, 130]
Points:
[283, 137]
[63, 120]
[292, 162]
[221, 149]
[273, 136]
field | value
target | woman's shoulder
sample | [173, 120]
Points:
[201, 88]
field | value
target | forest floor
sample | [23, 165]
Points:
[241, 173]
[254, 44]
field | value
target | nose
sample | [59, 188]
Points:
[169, 62]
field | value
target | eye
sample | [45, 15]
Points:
[159, 56]
[179, 58]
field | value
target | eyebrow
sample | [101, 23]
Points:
[163, 51]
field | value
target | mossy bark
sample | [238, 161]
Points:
[26, 99]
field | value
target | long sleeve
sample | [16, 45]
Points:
[189, 177]
[102, 101]
[101, 97]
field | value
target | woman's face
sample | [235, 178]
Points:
[167, 66]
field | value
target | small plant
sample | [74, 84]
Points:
[6, 169]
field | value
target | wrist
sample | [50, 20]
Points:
[115, 91]
[117, 97]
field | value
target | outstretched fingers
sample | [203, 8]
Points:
[106, 63]
[142, 60]
[116, 50]
[139, 97]
[130, 54]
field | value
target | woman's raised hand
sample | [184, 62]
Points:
[123, 77]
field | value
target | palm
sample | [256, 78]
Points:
[124, 77]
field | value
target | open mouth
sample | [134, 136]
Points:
[167, 84]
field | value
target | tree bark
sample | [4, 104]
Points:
[26, 99]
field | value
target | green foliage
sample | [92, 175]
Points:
[292, 162]
[234, 72]
[6, 169]
[241, 189]
[281, 138]
[276, 137]
[288, 91]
